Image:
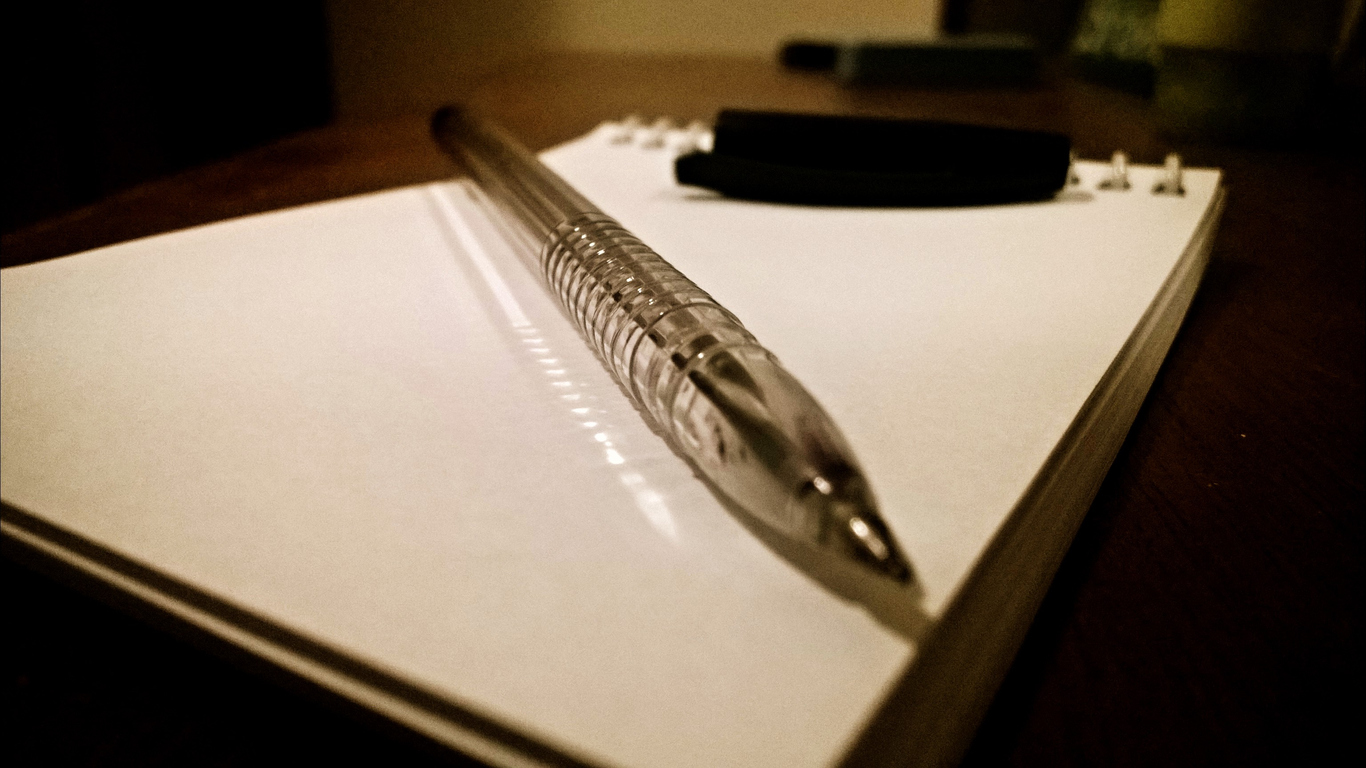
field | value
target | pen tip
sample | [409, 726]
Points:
[851, 526]
[874, 548]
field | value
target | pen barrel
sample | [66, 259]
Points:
[687, 363]
[539, 199]
[650, 325]
[723, 400]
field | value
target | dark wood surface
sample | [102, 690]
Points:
[1209, 611]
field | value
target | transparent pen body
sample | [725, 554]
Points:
[723, 400]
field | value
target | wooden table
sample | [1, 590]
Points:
[1209, 611]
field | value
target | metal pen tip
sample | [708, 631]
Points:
[875, 549]
[853, 527]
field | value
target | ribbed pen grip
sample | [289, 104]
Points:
[649, 323]
[692, 369]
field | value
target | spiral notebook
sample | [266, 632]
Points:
[358, 440]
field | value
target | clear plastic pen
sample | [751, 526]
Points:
[723, 400]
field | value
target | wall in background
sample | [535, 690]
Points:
[413, 55]
[102, 96]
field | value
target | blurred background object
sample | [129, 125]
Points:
[987, 60]
[1050, 23]
[1116, 44]
[1252, 70]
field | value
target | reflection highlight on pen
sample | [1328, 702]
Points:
[649, 501]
